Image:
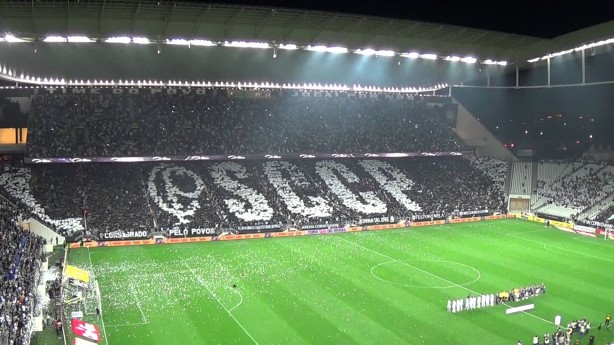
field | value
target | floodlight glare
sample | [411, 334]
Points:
[325, 49]
[365, 52]
[120, 39]
[179, 42]
[452, 58]
[10, 38]
[288, 46]
[411, 55]
[429, 56]
[241, 44]
[79, 39]
[469, 59]
[204, 43]
[50, 39]
[140, 40]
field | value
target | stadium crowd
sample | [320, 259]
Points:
[579, 190]
[196, 124]
[21, 255]
[249, 195]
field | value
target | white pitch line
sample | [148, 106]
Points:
[429, 273]
[535, 316]
[240, 301]
[220, 302]
[129, 324]
[138, 303]
[414, 267]
[104, 329]
[528, 232]
[564, 249]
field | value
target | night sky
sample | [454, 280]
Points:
[540, 18]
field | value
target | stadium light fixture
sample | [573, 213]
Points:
[140, 40]
[429, 56]
[412, 55]
[325, 49]
[119, 39]
[502, 63]
[242, 44]
[452, 58]
[533, 60]
[12, 39]
[79, 39]
[288, 46]
[179, 42]
[50, 39]
[469, 59]
[202, 43]
[369, 52]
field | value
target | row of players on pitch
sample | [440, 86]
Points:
[482, 301]
[472, 302]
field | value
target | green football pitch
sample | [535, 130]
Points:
[380, 287]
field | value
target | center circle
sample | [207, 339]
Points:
[426, 274]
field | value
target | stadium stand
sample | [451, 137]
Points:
[196, 124]
[494, 168]
[21, 254]
[253, 195]
[574, 190]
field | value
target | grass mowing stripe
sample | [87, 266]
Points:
[218, 301]
[138, 303]
[104, 330]
[435, 276]
[414, 267]
[335, 293]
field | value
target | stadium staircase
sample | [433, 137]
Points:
[508, 180]
[533, 177]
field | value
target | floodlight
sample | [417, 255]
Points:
[469, 59]
[180, 42]
[140, 40]
[288, 46]
[339, 50]
[50, 39]
[10, 38]
[242, 44]
[120, 39]
[204, 43]
[79, 39]
[429, 56]
[411, 55]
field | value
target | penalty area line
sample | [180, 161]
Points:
[200, 281]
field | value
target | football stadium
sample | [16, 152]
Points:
[190, 173]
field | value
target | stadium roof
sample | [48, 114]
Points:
[217, 22]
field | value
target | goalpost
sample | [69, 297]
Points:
[93, 299]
